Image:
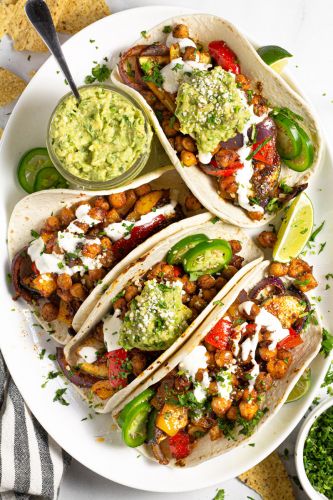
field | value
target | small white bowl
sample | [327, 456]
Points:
[299, 448]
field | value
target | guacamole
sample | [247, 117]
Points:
[101, 137]
[211, 108]
[155, 318]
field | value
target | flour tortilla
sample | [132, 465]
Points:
[206, 28]
[198, 224]
[302, 357]
[31, 212]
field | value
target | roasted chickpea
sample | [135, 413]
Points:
[232, 413]
[199, 375]
[197, 303]
[210, 357]
[213, 388]
[243, 81]
[101, 202]
[220, 282]
[49, 311]
[188, 143]
[52, 223]
[229, 271]
[277, 368]
[255, 215]
[249, 395]
[66, 216]
[226, 157]
[188, 159]
[227, 187]
[178, 146]
[155, 271]
[64, 281]
[96, 274]
[91, 250]
[223, 358]
[215, 433]
[182, 383]
[267, 354]
[180, 31]
[306, 282]
[263, 382]
[131, 292]
[220, 406]
[77, 290]
[65, 295]
[120, 304]
[112, 216]
[106, 243]
[107, 258]
[259, 105]
[236, 261]
[236, 246]
[206, 281]
[192, 203]
[248, 409]
[285, 356]
[278, 269]
[139, 362]
[117, 200]
[168, 271]
[190, 54]
[142, 190]
[267, 239]
[170, 127]
[208, 295]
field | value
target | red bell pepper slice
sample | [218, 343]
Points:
[267, 153]
[219, 335]
[117, 368]
[292, 340]
[216, 171]
[224, 56]
[125, 245]
[180, 445]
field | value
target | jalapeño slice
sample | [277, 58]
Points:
[289, 143]
[176, 253]
[31, 162]
[305, 158]
[207, 257]
[134, 430]
[141, 398]
[49, 178]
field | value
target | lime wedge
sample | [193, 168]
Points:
[295, 229]
[301, 388]
[274, 56]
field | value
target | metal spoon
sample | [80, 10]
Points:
[40, 17]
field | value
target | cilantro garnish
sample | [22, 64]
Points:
[59, 397]
[99, 73]
[326, 343]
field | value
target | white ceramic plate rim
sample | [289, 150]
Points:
[160, 479]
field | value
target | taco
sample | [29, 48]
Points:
[153, 307]
[231, 377]
[66, 247]
[243, 141]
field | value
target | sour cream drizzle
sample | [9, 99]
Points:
[88, 354]
[111, 328]
[174, 72]
[182, 42]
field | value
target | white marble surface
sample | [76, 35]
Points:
[305, 28]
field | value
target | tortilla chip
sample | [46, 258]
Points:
[78, 14]
[5, 15]
[20, 30]
[11, 86]
[269, 478]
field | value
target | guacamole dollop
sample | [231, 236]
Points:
[155, 318]
[211, 108]
[101, 137]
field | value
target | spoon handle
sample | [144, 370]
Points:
[39, 15]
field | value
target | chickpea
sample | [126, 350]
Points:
[170, 127]
[206, 281]
[223, 358]
[263, 382]
[232, 413]
[259, 105]
[180, 31]
[267, 354]
[190, 54]
[236, 246]
[117, 200]
[210, 358]
[227, 187]
[215, 433]
[66, 216]
[101, 202]
[167, 271]
[197, 303]
[255, 215]
[107, 258]
[49, 311]
[120, 304]
[155, 271]
[52, 223]
[64, 281]
[192, 203]
[178, 146]
[213, 389]
[248, 409]
[277, 368]
[139, 362]
[142, 190]
[199, 375]
[208, 295]
[91, 250]
[78, 292]
[112, 216]
[220, 406]
[243, 81]
[237, 261]
[96, 274]
[267, 239]
[189, 144]
[130, 202]
[249, 395]
[182, 383]
[64, 295]
[188, 159]
[278, 269]
[306, 282]
[106, 243]
[285, 356]
[220, 282]
[229, 271]
[131, 292]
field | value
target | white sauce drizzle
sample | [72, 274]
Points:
[111, 328]
[182, 42]
[88, 354]
[205, 158]
[191, 364]
[174, 72]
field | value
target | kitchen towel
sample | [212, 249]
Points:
[31, 463]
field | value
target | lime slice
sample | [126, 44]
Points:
[301, 388]
[295, 229]
[274, 56]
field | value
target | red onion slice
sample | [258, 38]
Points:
[271, 284]
[21, 267]
[234, 143]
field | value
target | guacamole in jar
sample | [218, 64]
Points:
[99, 138]
[211, 108]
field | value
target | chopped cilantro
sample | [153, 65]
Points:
[316, 232]
[34, 234]
[285, 188]
[152, 73]
[144, 34]
[219, 495]
[258, 148]
[52, 357]
[215, 220]
[322, 246]
[326, 343]
[59, 397]
[99, 73]
[42, 354]
[167, 29]
[50, 376]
